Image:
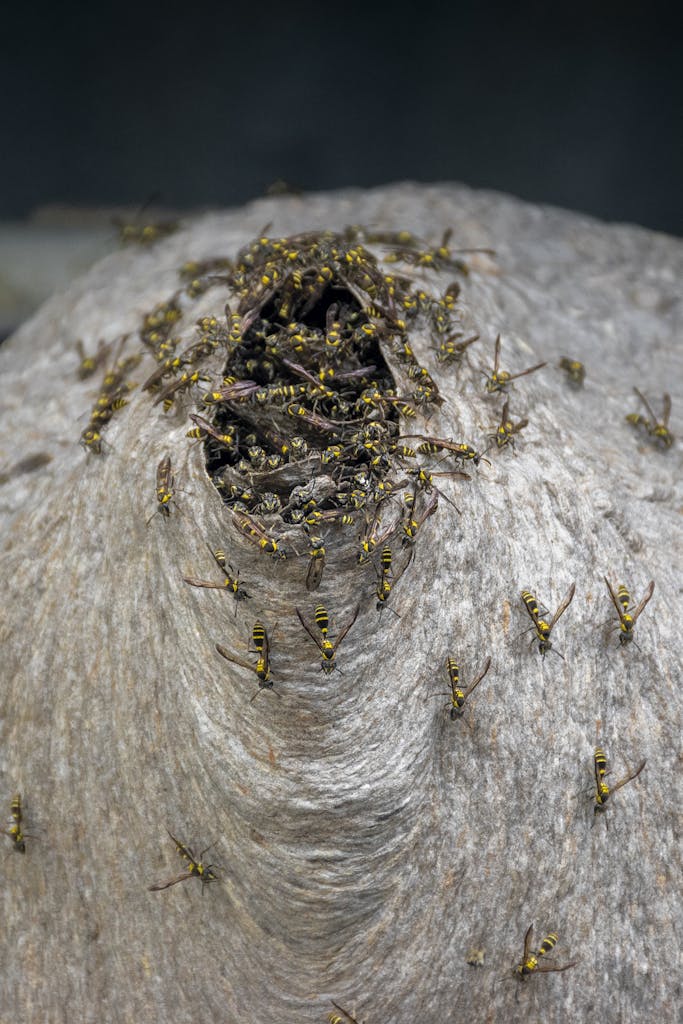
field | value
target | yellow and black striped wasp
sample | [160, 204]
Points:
[576, 371]
[327, 649]
[544, 629]
[602, 791]
[261, 646]
[434, 445]
[499, 379]
[203, 428]
[15, 831]
[658, 430]
[183, 383]
[414, 520]
[250, 529]
[457, 695]
[530, 962]
[424, 481]
[385, 580]
[195, 868]
[334, 1018]
[234, 391]
[628, 618]
[165, 489]
[506, 429]
[374, 535]
[230, 583]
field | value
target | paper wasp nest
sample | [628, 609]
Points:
[328, 469]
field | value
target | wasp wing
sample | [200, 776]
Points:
[646, 597]
[346, 629]
[629, 777]
[568, 598]
[316, 639]
[476, 681]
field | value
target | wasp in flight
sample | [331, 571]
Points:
[602, 790]
[544, 629]
[499, 379]
[195, 868]
[132, 233]
[657, 429]
[531, 962]
[261, 646]
[576, 371]
[457, 695]
[628, 618]
[230, 583]
[327, 649]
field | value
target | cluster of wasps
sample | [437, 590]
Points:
[114, 389]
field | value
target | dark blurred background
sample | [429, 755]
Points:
[207, 105]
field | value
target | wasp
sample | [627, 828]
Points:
[374, 534]
[457, 695]
[602, 790]
[424, 481]
[657, 429]
[203, 427]
[90, 364]
[167, 367]
[530, 963]
[249, 528]
[576, 371]
[385, 580]
[543, 629]
[433, 445]
[165, 487]
[230, 583]
[451, 351]
[14, 831]
[235, 391]
[317, 563]
[195, 868]
[437, 258]
[131, 233]
[261, 646]
[414, 521]
[185, 381]
[327, 649]
[313, 420]
[499, 379]
[318, 388]
[92, 441]
[292, 447]
[628, 619]
[506, 429]
[334, 1018]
